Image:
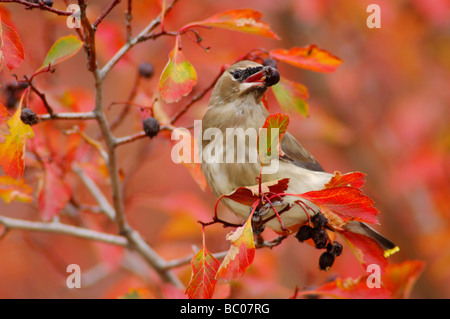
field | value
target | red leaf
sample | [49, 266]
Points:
[366, 249]
[178, 77]
[276, 121]
[243, 20]
[11, 49]
[397, 282]
[204, 269]
[343, 204]
[241, 253]
[247, 195]
[310, 58]
[355, 179]
[54, 193]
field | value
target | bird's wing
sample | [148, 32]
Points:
[297, 155]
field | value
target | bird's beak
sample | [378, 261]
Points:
[267, 76]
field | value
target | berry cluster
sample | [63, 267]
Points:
[319, 236]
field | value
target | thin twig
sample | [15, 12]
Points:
[39, 5]
[105, 13]
[60, 228]
[127, 46]
[67, 116]
[139, 135]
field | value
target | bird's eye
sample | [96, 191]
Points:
[237, 75]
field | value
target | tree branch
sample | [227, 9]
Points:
[39, 5]
[67, 116]
[105, 13]
[59, 228]
[139, 38]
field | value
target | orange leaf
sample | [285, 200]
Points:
[178, 77]
[397, 282]
[342, 204]
[11, 49]
[355, 179]
[204, 269]
[310, 58]
[241, 253]
[12, 150]
[291, 96]
[243, 20]
[400, 278]
[349, 288]
[11, 189]
[192, 163]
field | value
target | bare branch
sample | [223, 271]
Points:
[139, 135]
[67, 116]
[105, 13]
[39, 5]
[127, 46]
[59, 228]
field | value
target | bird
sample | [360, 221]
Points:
[236, 102]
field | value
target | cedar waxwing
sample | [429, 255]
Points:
[236, 103]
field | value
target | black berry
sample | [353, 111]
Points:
[304, 233]
[320, 237]
[319, 220]
[326, 260]
[150, 126]
[146, 70]
[334, 248]
[272, 75]
[28, 117]
[270, 62]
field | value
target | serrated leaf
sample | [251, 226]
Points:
[11, 48]
[241, 253]
[310, 58]
[14, 190]
[63, 49]
[272, 141]
[355, 179]
[203, 279]
[291, 96]
[178, 77]
[242, 20]
[12, 150]
[342, 204]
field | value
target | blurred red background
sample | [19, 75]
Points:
[384, 112]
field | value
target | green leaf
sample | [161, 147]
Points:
[63, 49]
[291, 96]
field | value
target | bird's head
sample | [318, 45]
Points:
[244, 79]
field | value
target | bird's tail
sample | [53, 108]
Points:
[361, 228]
